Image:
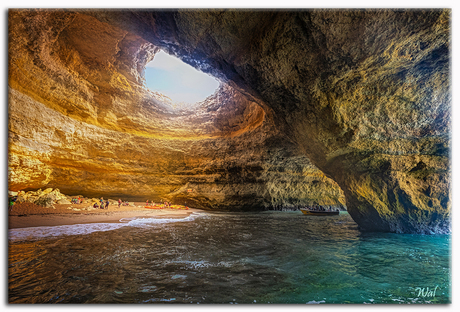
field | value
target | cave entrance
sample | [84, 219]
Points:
[182, 83]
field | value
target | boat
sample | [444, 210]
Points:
[310, 212]
[178, 207]
[153, 207]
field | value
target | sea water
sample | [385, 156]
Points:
[230, 258]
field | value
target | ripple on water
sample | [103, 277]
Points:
[227, 258]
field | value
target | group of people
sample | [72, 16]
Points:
[152, 203]
[165, 204]
[105, 205]
[78, 200]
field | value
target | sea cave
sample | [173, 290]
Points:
[340, 108]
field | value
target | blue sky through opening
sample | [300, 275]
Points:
[177, 80]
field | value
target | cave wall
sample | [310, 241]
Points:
[81, 120]
[362, 94]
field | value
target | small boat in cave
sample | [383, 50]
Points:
[311, 212]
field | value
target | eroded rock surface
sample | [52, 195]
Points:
[363, 95]
[83, 122]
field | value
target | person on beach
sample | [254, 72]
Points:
[102, 201]
[11, 204]
[95, 206]
[107, 204]
[119, 203]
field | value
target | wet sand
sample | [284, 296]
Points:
[30, 215]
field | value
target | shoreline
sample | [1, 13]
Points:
[65, 215]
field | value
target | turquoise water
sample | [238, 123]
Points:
[235, 258]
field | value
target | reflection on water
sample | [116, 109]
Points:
[276, 257]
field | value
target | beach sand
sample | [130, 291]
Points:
[30, 215]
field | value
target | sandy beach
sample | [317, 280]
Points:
[30, 215]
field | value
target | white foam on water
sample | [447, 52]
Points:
[40, 232]
[140, 222]
[195, 265]
[316, 302]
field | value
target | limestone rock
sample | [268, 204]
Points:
[315, 106]
[46, 198]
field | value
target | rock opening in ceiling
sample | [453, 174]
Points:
[182, 84]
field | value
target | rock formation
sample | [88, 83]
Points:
[46, 198]
[363, 95]
[49, 197]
